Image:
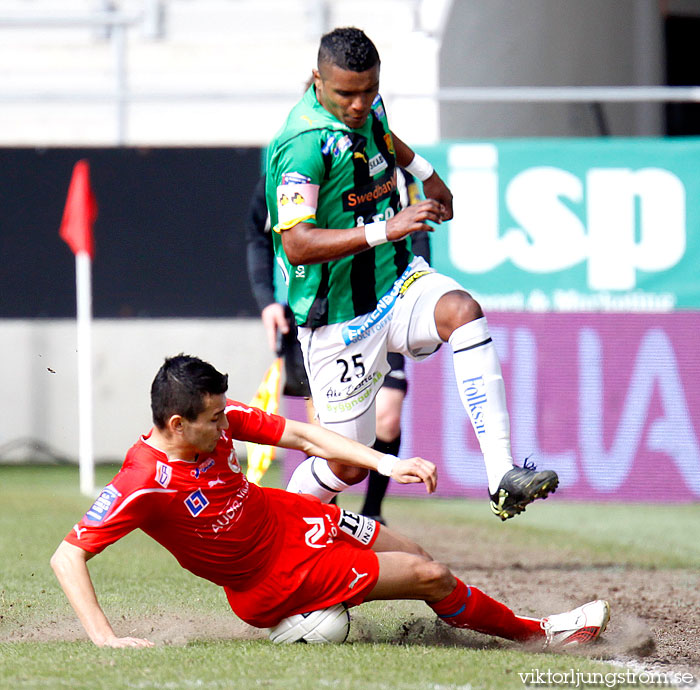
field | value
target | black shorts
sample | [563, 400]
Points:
[296, 383]
[396, 378]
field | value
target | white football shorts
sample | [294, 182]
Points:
[346, 362]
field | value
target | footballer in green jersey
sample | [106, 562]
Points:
[355, 289]
[326, 173]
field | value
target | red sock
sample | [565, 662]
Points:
[469, 607]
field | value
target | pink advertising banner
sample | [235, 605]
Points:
[609, 401]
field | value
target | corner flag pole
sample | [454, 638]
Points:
[76, 229]
[83, 284]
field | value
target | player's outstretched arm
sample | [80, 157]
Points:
[69, 562]
[433, 186]
[315, 440]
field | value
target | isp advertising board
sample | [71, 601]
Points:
[573, 225]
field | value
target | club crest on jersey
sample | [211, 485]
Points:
[233, 462]
[389, 143]
[164, 474]
[295, 178]
[102, 504]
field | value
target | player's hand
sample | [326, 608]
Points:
[414, 471]
[274, 320]
[435, 188]
[414, 218]
[116, 642]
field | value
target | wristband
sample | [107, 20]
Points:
[420, 168]
[386, 464]
[375, 233]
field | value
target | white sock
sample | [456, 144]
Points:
[314, 477]
[483, 395]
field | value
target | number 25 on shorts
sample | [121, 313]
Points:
[357, 365]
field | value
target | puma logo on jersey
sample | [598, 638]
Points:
[360, 155]
[79, 530]
[216, 481]
[358, 577]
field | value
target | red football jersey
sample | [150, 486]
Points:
[206, 513]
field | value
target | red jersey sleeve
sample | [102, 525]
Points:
[122, 506]
[248, 423]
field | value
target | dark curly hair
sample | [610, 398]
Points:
[180, 387]
[348, 48]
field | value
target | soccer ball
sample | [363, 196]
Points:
[326, 625]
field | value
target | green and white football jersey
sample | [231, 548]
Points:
[322, 172]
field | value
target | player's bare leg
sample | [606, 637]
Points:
[391, 540]
[460, 321]
[412, 576]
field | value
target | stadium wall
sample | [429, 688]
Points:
[38, 370]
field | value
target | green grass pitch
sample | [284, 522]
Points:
[138, 581]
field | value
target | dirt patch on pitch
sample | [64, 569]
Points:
[173, 628]
[655, 617]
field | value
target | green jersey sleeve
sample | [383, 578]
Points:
[298, 171]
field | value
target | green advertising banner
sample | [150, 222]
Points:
[573, 225]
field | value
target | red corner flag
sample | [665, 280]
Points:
[80, 211]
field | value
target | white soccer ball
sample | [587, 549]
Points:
[326, 625]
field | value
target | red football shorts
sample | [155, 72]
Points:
[325, 559]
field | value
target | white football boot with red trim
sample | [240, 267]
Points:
[581, 625]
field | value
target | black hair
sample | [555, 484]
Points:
[348, 48]
[180, 387]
